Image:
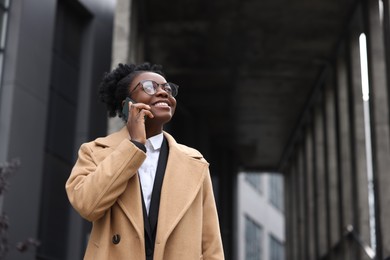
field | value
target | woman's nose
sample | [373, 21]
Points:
[161, 92]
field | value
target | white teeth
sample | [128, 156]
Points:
[161, 104]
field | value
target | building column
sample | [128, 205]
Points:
[295, 201]
[331, 131]
[379, 114]
[358, 141]
[345, 171]
[302, 252]
[292, 202]
[321, 191]
[310, 225]
[120, 46]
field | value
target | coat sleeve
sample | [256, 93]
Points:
[211, 237]
[95, 183]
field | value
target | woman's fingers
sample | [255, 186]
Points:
[146, 113]
[140, 110]
[136, 121]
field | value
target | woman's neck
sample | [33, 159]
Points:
[152, 132]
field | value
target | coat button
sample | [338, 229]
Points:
[116, 239]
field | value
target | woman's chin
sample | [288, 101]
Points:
[159, 119]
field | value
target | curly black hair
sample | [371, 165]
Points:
[114, 87]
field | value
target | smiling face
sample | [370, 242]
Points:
[162, 104]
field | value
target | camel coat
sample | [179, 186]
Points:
[104, 188]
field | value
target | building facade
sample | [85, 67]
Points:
[337, 171]
[52, 57]
[260, 228]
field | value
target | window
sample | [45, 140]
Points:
[4, 4]
[254, 179]
[253, 240]
[276, 249]
[276, 195]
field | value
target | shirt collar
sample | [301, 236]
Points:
[155, 142]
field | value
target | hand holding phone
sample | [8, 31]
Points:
[135, 122]
[125, 109]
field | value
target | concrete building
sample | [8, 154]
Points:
[277, 86]
[53, 55]
[337, 167]
[265, 86]
[260, 230]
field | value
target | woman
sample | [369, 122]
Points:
[147, 196]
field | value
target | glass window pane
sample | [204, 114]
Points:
[276, 249]
[276, 195]
[1, 66]
[254, 179]
[253, 240]
[1, 20]
[3, 26]
[4, 3]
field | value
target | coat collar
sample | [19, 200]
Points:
[116, 138]
[184, 175]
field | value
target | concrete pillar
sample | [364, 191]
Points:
[121, 37]
[298, 199]
[333, 195]
[290, 209]
[379, 106]
[126, 43]
[327, 206]
[346, 217]
[292, 197]
[302, 205]
[358, 144]
[320, 191]
[120, 46]
[310, 205]
[226, 176]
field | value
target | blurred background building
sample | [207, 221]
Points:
[299, 88]
[260, 231]
[53, 54]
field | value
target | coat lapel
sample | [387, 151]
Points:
[160, 172]
[183, 178]
[130, 201]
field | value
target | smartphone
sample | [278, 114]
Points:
[125, 109]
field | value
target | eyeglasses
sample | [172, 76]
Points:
[150, 87]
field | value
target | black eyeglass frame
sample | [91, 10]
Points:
[174, 88]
